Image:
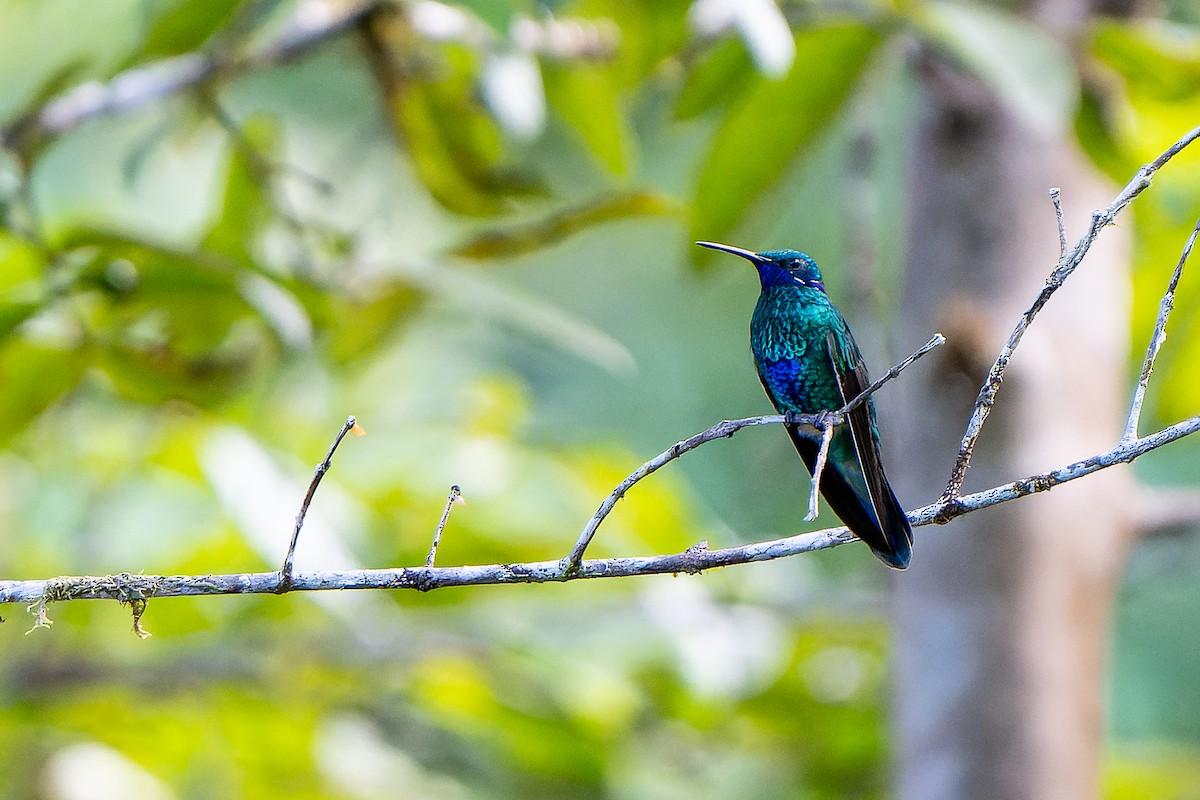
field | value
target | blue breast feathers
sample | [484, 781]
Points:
[782, 380]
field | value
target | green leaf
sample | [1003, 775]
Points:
[588, 98]
[33, 377]
[1158, 69]
[189, 303]
[1030, 70]
[774, 121]
[161, 374]
[718, 77]
[13, 313]
[20, 263]
[1156, 65]
[1097, 135]
[453, 145]
[650, 31]
[497, 14]
[359, 329]
[245, 207]
[184, 26]
[198, 308]
[420, 120]
[520, 239]
[22, 292]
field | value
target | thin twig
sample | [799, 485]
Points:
[721, 430]
[1056, 198]
[454, 497]
[285, 573]
[829, 423]
[1157, 338]
[1066, 265]
[36, 593]
[891, 374]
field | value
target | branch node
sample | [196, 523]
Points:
[948, 509]
[422, 580]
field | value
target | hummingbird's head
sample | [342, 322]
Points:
[778, 267]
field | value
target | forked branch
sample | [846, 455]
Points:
[1067, 264]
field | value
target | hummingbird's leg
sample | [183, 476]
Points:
[826, 419]
[802, 424]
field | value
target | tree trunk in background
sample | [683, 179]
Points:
[1002, 622]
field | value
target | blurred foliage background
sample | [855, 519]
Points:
[224, 226]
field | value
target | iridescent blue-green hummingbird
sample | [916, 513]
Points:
[808, 362]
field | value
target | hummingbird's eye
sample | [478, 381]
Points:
[795, 264]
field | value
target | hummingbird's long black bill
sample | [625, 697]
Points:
[737, 251]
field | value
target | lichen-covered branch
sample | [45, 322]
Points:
[125, 587]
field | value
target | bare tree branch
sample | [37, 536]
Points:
[1066, 265]
[37, 593]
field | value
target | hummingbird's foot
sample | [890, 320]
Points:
[827, 419]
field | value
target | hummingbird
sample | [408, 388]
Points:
[808, 362]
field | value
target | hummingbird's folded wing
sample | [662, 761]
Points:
[852, 378]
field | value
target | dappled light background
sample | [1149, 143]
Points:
[470, 226]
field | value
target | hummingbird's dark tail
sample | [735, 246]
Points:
[875, 516]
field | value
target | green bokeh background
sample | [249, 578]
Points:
[195, 291]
